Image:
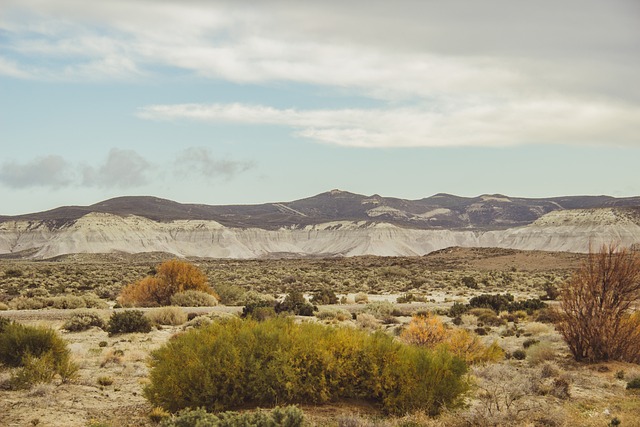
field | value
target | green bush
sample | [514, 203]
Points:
[295, 303]
[487, 316]
[84, 320]
[193, 298]
[289, 416]
[259, 310]
[505, 302]
[244, 363]
[4, 322]
[39, 353]
[457, 309]
[128, 321]
[634, 384]
[230, 294]
[324, 297]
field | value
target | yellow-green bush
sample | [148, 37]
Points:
[244, 363]
[39, 353]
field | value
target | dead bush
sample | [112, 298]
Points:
[594, 319]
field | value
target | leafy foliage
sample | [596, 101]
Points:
[171, 277]
[128, 321]
[236, 363]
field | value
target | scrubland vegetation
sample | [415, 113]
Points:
[445, 340]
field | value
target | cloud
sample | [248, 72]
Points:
[545, 121]
[49, 171]
[457, 73]
[122, 169]
[201, 161]
[392, 50]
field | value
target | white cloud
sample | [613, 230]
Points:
[122, 169]
[459, 73]
[203, 162]
[533, 122]
[49, 171]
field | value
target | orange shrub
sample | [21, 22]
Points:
[430, 332]
[426, 331]
[171, 277]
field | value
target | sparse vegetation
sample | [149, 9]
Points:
[559, 391]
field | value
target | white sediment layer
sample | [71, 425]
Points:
[572, 231]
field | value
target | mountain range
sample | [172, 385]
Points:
[334, 223]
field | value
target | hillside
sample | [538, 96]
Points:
[335, 223]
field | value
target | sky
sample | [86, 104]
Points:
[228, 102]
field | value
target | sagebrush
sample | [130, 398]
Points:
[244, 363]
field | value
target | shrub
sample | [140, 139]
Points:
[105, 381]
[457, 309]
[4, 322]
[367, 321]
[409, 297]
[158, 414]
[171, 277]
[295, 303]
[496, 303]
[529, 342]
[430, 332]
[594, 319]
[167, 316]
[83, 320]
[379, 309]
[259, 309]
[289, 416]
[128, 321]
[361, 298]
[339, 315]
[230, 294]
[634, 384]
[540, 352]
[324, 297]
[519, 354]
[193, 298]
[487, 317]
[244, 363]
[39, 352]
[67, 302]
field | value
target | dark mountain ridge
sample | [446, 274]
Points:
[440, 211]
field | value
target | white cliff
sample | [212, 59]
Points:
[569, 230]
